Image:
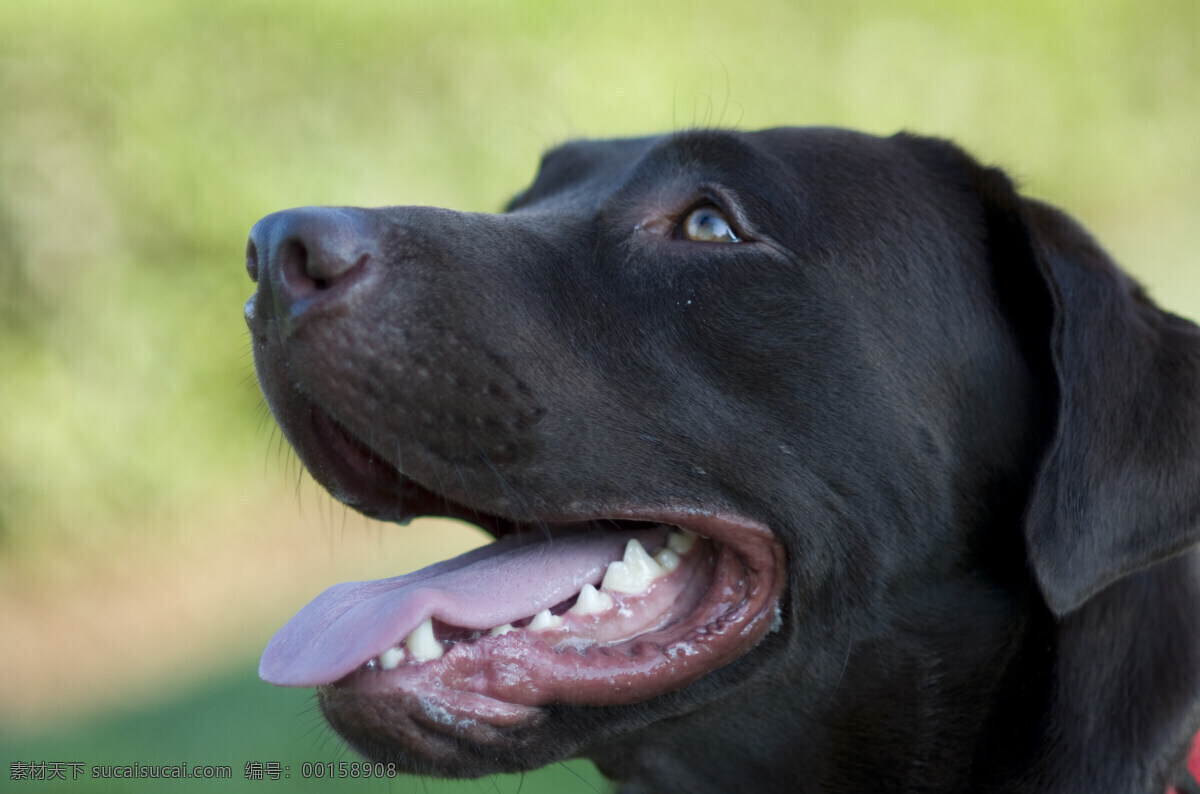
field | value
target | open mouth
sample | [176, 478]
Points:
[604, 610]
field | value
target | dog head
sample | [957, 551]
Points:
[861, 420]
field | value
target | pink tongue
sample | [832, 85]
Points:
[505, 581]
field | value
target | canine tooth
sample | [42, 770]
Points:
[634, 572]
[544, 620]
[681, 541]
[502, 630]
[391, 658]
[422, 644]
[667, 559]
[591, 601]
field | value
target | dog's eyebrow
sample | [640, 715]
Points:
[578, 163]
[719, 157]
[715, 150]
[607, 166]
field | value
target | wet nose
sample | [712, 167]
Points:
[305, 254]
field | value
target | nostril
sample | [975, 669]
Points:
[252, 260]
[331, 255]
[294, 268]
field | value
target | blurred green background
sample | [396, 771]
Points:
[154, 530]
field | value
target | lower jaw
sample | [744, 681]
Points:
[429, 736]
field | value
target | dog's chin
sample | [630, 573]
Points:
[452, 670]
[419, 736]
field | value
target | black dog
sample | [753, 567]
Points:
[937, 460]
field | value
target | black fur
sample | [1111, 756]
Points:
[977, 439]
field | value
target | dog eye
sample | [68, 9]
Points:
[707, 224]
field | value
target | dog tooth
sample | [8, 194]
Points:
[391, 658]
[591, 601]
[681, 541]
[502, 630]
[617, 578]
[667, 559]
[422, 644]
[639, 561]
[634, 572]
[544, 620]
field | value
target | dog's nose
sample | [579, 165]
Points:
[305, 253]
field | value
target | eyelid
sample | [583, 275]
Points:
[668, 222]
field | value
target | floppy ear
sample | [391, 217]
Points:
[1119, 486]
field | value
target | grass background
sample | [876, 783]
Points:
[153, 531]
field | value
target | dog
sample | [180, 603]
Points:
[816, 461]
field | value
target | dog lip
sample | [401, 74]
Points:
[365, 479]
[737, 608]
[460, 708]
